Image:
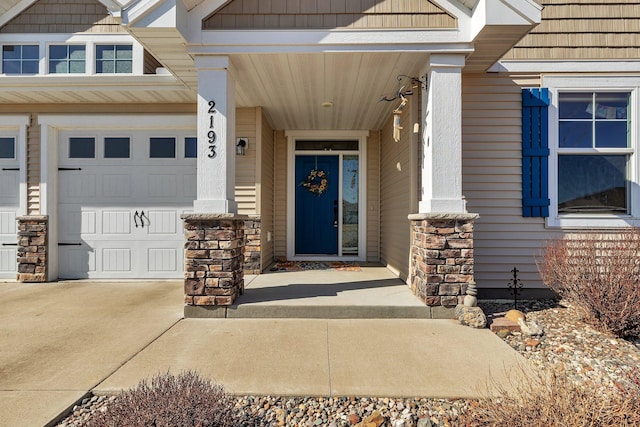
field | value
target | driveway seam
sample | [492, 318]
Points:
[135, 354]
[329, 360]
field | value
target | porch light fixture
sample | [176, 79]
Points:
[241, 146]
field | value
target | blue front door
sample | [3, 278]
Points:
[317, 179]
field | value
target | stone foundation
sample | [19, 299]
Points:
[441, 257]
[213, 258]
[33, 233]
[252, 248]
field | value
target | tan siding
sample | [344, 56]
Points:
[492, 182]
[325, 14]
[246, 165]
[373, 197]
[583, 29]
[280, 199]
[64, 16]
[395, 197]
[267, 194]
[33, 168]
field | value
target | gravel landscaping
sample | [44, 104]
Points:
[568, 345]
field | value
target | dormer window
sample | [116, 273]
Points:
[67, 59]
[114, 59]
[20, 59]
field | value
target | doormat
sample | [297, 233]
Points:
[315, 265]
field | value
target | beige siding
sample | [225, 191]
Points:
[280, 199]
[373, 197]
[257, 14]
[266, 188]
[246, 165]
[64, 16]
[492, 181]
[33, 167]
[395, 196]
[583, 29]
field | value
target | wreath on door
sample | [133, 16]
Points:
[316, 182]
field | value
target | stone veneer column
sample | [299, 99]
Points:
[214, 258]
[441, 257]
[32, 248]
[252, 248]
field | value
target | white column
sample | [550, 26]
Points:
[216, 136]
[442, 136]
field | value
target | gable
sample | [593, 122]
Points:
[64, 16]
[327, 14]
[583, 29]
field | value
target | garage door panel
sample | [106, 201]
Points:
[75, 187]
[8, 224]
[8, 260]
[116, 186]
[116, 222]
[77, 262]
[9, 185]
[162, 222]
[189, 186]
[117, 260]
[162, 259]
[76, 221]
[162, 186]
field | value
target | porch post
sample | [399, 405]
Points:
[442, 231]
[214, 233]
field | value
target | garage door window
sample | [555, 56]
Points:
[116, 148]
[162, 148]
[82, 148]
[190, 147]
[7, 148]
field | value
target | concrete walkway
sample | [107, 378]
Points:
[61, 341]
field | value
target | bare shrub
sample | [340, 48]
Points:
[599, 274]
[553, 400]
[182, 400]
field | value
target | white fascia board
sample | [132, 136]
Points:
[156, 14]
[66, 38]
[65, 82]
[197, 14]
[504, 12]
[566, 66]
[119, 121]
[314, 40]
[462, 48]
[15, 11]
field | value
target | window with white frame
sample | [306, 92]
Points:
[593, 142]
[20, 59]
[114, 59]
[67, 59]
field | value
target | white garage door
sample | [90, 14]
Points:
[9, 203]
[120, 200]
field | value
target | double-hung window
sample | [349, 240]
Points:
[20, 59]
[594, 166]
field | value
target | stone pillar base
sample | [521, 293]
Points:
[33, 239]
[213, 258]
[253, 248]
[441, 257]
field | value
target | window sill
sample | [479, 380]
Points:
[577, 221]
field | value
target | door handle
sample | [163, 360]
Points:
[335, 214]
[135, 218]
[143, 217]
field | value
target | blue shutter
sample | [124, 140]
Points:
[535, 153]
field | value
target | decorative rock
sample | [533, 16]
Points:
[530, 342]
[515, 315]
[471, 316]
[374, 420]
[530, 328]
[354, 419]
[502, 323]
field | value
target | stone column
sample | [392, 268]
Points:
[32, 248]
[252, 248]
[441, 258]
[213, 258]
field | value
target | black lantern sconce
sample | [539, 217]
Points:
[241, 146]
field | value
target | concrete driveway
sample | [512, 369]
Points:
[59, 340]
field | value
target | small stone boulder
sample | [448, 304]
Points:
[471, 316]
[515, 315]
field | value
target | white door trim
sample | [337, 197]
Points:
[19, 123]
[361, 137]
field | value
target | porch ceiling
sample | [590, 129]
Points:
[292, 87]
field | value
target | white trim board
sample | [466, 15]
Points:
[564, 66]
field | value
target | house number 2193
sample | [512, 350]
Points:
[211, 134]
